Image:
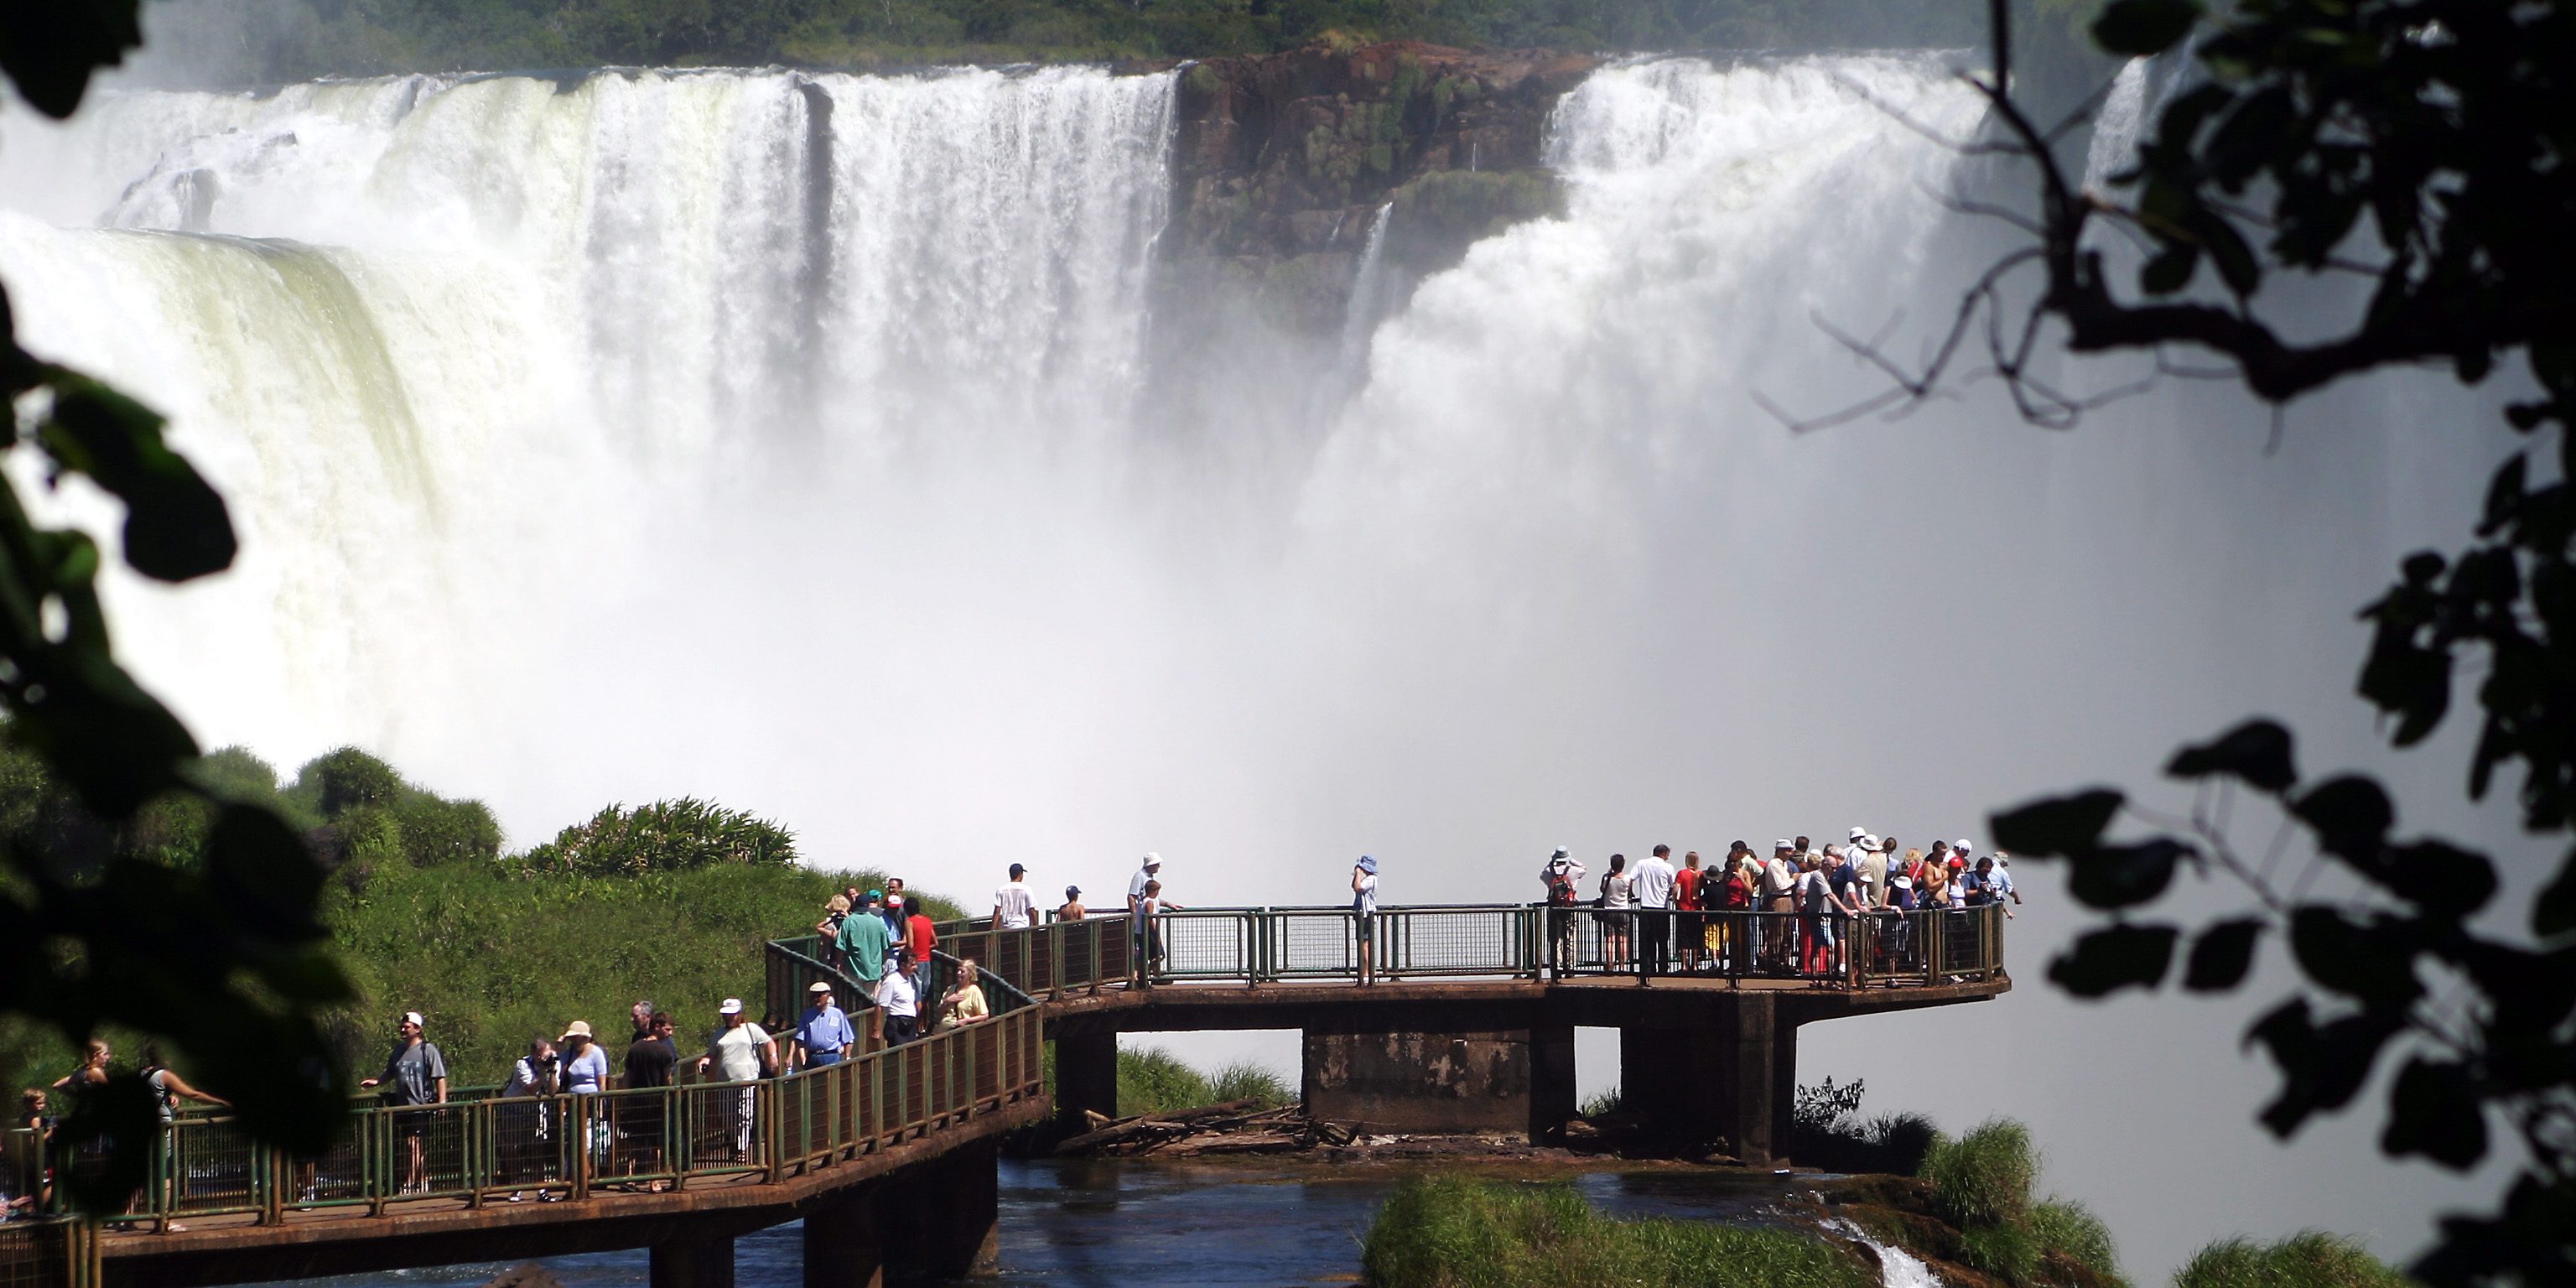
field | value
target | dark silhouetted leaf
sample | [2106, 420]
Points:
[2436, 876]
[176, 527]
[49, 47]
[263, 875]
[2553, 913]
[2372, 962]
[2059, 825]
[2170, 270]
[2351, 815]
[2221, 956]
[2322, 1066]
[2123, 876]
[117, 1111]
[2434, 1110]
[2257, 752]
[2115, 957]
[2143, 27]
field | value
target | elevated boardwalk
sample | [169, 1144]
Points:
[1468, 1028]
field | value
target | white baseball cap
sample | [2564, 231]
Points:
[732, 1006]
[1153, 860]
[413, 1018]
[1961, 845]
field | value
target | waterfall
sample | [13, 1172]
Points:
[760, 434]
[786, 439]
[1360, 314]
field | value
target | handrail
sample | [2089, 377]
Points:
[488, 1149]
[575, 1146]
[1262, 945]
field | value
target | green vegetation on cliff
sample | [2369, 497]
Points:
[669, 901]
[1453, 1231]
[291, 39]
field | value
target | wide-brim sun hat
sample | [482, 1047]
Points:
[576, 1029]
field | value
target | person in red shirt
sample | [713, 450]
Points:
[1737, 896]
[918, 940]
[1686, 897]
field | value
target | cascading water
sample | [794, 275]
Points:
[790, 440]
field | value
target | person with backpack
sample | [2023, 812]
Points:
[1618, 916]
[1563, 878]
[415, 1074]
[1742, 879]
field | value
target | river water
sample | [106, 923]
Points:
[1135, 1225]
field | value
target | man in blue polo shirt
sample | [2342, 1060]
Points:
[824, 1037]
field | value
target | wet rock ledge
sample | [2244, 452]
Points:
[1283, 162]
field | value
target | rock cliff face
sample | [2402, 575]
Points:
[1285, 161]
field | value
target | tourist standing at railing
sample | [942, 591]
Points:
[1149, 868]
[1072, 909]
[741, 1052]
[1873, 873]
[1654, 887]
[1563, 879]
[526, 1130]
[1735, 892]
[1145, 923]
[1618, 898]
[168, 1089]
[1780, 901]
[920, 939]
[415, 1074]
[898, 1010]
[1364, 912]
[1015, 906]
[1815, 942]
[827, 932]
[651, 1063]
[898, 905]
[863, 948]
[2001, 879]
[964, 1004]
[1688, 924]
[824, 1037]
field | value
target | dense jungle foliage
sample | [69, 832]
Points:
[272, 40]
[668, 902]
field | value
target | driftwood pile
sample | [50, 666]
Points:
[1235, 1127]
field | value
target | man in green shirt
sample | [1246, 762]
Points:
[863, 942]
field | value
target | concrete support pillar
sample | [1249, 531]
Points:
[1731, 1082]
[1551, 1081]
[843, 1248]
[1422, 1082]
[941, 1218]
[693, 1263]
[1086, 1075]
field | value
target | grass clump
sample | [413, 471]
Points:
[1154, 1081]
[1601, 1105]
[2309, 1260]
[1452, 1232]
[2070, 1230]
[1984, 1177]
[1244, 1080]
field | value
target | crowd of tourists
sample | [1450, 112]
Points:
[1801, 911]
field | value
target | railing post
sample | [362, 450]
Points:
[767, 1095]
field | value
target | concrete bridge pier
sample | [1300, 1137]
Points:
[1517, 1081]
[941, 1221]
[693, 1263]
[843, 1248]
[1086, 1074]
[1731, 1081]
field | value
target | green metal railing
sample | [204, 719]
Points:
[1253, 946]
[486, 1149]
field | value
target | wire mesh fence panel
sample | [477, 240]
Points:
[1212, 945]
[338, 1175]
[22, 1165]
[631, 1135]
[720, 1126]
[1449, 941]
[528, 1137]
[428, 1150]
[1312, 943]
[1962, 942]
[213, 1166]
[35, 1254]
